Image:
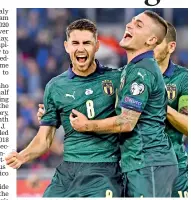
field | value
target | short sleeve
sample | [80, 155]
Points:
[51, 116]
[135, 92]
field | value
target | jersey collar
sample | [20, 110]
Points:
[148, 54]
[170, 70]
[99, 69]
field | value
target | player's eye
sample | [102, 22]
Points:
[139, 26]
[75, 43]
[87, 43]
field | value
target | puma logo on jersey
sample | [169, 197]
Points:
[71, 95]
[141, 75]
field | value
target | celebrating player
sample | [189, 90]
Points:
[148, 160]
[91, 162]
[176, 80]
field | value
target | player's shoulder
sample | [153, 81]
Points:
[180, 69]
[56, 80]
[111, 70]
[148, 65]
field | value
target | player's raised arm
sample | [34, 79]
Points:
[38, 146]
[125, 122]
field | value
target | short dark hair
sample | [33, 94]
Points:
[160, 22]
[171, 33]
[82, 24]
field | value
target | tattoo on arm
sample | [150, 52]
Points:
[96, 128]
[127, 120]
[184, 110]
[124, 122]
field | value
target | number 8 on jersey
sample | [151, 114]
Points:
[90, 109]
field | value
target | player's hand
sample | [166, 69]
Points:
[41, 111]
[79, 121]
[14, 160]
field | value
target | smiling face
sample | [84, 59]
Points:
[139, 33]
[81, 46]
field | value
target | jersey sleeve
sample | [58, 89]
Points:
[183, 99]
[51, 116]
[136, 91]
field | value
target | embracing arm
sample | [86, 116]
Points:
[179, 120]
[125, 122]
[133, 99]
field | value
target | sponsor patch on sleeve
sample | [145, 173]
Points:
[132, 103]
[137, 89]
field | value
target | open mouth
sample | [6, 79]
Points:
[81, 59]
[127, 35]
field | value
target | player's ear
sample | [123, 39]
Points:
[171, 46]
[152, 40]
[97, 45]
[66, 46]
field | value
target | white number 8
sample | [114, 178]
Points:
[109, 194]
[90, 109]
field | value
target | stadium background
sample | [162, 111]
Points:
[41, 56]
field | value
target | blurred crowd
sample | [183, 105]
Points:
[41, 56]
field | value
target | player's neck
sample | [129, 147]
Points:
[134, 53]
[89, 71]
[163, 65]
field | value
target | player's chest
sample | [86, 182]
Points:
[76, 94]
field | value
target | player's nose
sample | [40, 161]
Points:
[129, 26]
[81, 48]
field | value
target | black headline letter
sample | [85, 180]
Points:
[148, 4]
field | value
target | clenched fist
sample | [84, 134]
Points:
[14, 160]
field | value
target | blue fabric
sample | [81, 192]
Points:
[99, 69]
[169, 71]
[148, 54]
